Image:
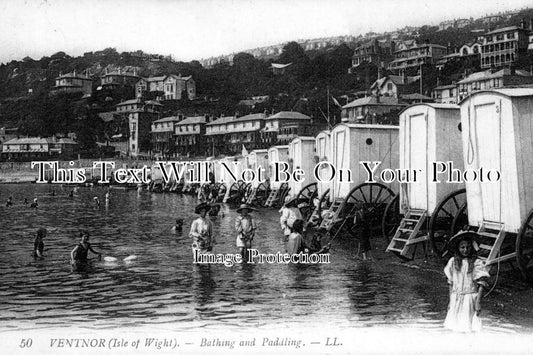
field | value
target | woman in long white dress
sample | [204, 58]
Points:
[202, 231]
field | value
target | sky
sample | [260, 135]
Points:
[190, 30]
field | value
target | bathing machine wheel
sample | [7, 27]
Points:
[323, 203]
[236, 191]
[305, 200]
[283, 192]
[460, 220]
[221, 192]
[391, 218]
[450, 211]
[524, 248]
[261, 194]
[373, 197]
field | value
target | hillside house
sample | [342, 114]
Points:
[162, 133]
[409, 54]
[37, 147]
[139, 114]
[270, 134]
[190, 136]
[504, 46]
[74, 83]
[372, 109]
[118, 78]
[490, 79]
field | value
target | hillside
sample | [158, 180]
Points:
[26, 103]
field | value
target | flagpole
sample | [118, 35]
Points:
[421, 79]
[328, 101]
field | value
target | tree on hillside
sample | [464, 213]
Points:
[295, 54]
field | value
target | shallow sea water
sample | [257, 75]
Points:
[162, 287]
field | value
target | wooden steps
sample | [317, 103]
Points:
[493, 235]
[251, 198]
[272, 198]
[332, 215]
[408, 234]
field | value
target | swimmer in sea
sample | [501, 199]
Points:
[177, 227]
[38, 244]
[34, 204]
[80, 252]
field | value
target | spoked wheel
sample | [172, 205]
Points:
[391, 218]
[305, 199]
[235, 191]
[460, 220]
[441, 221]
[373, 197]
[221, 192]
[323, 203]
[524, 248]
[283, 192]
[262, 194]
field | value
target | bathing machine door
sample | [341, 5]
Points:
[486, 138]
[341, 158]
[323, 152]
[415, 157]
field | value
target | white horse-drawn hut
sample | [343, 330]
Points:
[278, 189]
[257, 191]
[353, 186]
[430, 140]
[497, 129]
[302, 156]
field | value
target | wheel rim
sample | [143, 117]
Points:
[284, 191]
[524, 247]
[324, 200]
[262, 194]
[307, 195]
[391, 218]
[373, 196]
[441, 221]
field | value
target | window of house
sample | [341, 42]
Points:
[510, 35]
[499, 37]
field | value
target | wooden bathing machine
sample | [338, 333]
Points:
[317, 195]
[301, 156]
[234, 185]
[429, 134]
[352, 144]
[277, 190]
[277, 153]
[257, 158]
[497, 128]
[323, 151]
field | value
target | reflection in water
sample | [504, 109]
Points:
[162, 286]
[203, 284]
